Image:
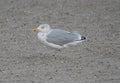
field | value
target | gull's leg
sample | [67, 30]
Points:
[55, 52]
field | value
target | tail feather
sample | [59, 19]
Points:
[80, 38]
[83, 38]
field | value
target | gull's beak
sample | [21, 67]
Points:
[35, 30]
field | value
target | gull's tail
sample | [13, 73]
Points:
[80, 37]
[83, 38]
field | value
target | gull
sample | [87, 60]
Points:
[57, 38]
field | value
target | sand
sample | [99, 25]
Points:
[24, 59]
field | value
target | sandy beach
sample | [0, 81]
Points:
[24, 59]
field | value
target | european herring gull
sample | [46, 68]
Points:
[57, 38]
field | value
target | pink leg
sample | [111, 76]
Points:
[55, 52]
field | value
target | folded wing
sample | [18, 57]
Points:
[61, 37]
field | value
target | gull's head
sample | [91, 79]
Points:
[42, 28]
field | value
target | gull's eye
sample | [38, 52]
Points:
[42, 27]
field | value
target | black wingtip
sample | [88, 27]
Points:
[83, 38]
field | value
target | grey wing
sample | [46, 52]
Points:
[61, 37]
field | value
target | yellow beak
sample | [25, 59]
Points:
[35, 30]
